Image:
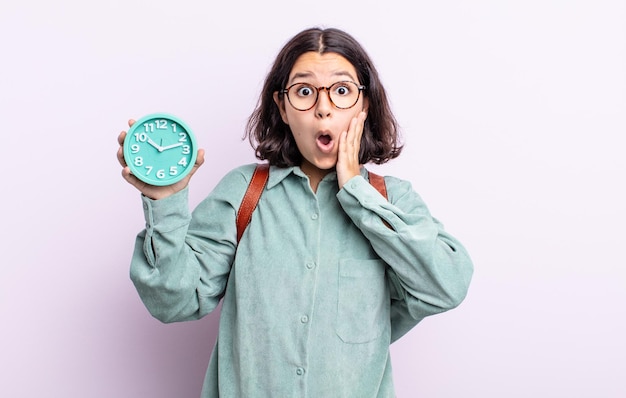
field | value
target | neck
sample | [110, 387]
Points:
[314, 173]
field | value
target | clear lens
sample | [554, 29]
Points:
[343, 95]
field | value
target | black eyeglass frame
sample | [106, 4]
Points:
[360, 87]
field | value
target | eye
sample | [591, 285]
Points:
[304, 90]
[342, 89]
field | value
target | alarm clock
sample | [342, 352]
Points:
[160, 149]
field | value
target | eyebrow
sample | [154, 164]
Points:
[301, 75]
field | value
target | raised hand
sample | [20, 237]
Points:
[152, 191]
[349, 145]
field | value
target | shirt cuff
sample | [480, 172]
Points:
[166, 214]
[362, 191]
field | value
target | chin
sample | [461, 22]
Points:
[326, 166]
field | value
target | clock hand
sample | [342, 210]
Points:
[154, 144]
[171, 146]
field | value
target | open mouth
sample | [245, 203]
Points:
[324, 139]
[325, 143]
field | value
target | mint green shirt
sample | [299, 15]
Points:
[315, 292]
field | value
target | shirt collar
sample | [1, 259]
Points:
[278, 174]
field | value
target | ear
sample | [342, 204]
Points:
[366, 104]
[280, 103]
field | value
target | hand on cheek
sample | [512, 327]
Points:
[349, 145]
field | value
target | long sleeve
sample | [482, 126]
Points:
[429, 270]
[181, 262]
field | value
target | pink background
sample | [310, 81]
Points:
[514, 114]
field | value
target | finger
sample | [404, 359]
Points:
[200, 158]
[351, 132]
[120, 156]
[120, 150]
[354, 133]
[129, 177]
[121, 138]
[360, 124]
[345, 139]
[343, 145]
[362, 118]
[135, 182]
[131, 122]
[199, 162]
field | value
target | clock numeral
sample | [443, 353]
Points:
[161, 172]
[138, 161]
[134, 148]
[174, 127]
[141, 137]
[186, 149]
[183, 162]
[158, 125]
[183, 137]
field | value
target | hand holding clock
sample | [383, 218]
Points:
[158, 170]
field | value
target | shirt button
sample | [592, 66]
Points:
[299, 371]
[310, 265]
[304, 319]
[314, 217]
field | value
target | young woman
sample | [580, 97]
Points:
[329, 272]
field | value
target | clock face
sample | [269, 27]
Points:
[160, 149]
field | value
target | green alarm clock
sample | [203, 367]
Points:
[160, 149]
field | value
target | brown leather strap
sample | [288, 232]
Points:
[257, 184]
[378, 182]
[251, 197]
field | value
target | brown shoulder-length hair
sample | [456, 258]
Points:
[271, 137]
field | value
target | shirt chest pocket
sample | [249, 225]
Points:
[362, 301]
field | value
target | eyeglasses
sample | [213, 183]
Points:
[303, 96]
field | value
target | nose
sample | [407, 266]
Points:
[324, 107]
